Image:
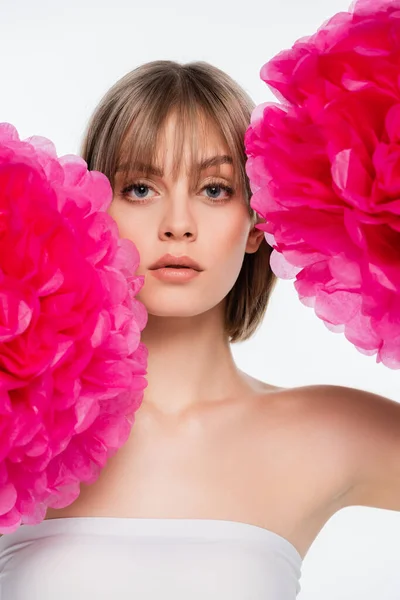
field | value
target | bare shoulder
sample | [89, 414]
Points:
[298, 436]
[340, 413]
[345, 437]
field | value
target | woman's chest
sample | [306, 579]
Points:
[197, 468]
[234, 469]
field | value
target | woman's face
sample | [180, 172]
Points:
[210, 224]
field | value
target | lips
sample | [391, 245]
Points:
[176, 262]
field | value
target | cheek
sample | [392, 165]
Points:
[228, 243]
[131, 228]
[123, 217]
[229, 236]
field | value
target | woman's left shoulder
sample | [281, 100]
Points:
[340, 408]
[357, 434]
[346, 410]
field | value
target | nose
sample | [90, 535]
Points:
[178, 221]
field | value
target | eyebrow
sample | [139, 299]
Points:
[213, 161]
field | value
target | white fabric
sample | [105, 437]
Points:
[85, 558]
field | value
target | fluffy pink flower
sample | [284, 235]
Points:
[72, 367]
[353, 50]
[325, 171]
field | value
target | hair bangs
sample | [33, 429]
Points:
[143, 148]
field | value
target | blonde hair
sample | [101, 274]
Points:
[146, 97]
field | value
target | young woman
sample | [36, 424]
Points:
[225, 480]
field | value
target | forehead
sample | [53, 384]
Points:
[189, 143]
[202, 127]
[177, 146]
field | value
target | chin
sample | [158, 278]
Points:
[175, 310]
[177, 305]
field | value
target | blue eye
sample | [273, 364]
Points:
[140, 190]
[216, 189]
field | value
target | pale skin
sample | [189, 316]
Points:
[209, 441]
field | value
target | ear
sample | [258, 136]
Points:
[255, 238]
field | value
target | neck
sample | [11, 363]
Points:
[190, 362]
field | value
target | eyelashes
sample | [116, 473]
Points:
[214, 184]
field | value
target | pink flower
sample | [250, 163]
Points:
[72, 367]
[353, 50]
[325, 171]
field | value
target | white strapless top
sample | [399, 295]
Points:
[85, 558]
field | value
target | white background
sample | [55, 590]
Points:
[59, 58]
